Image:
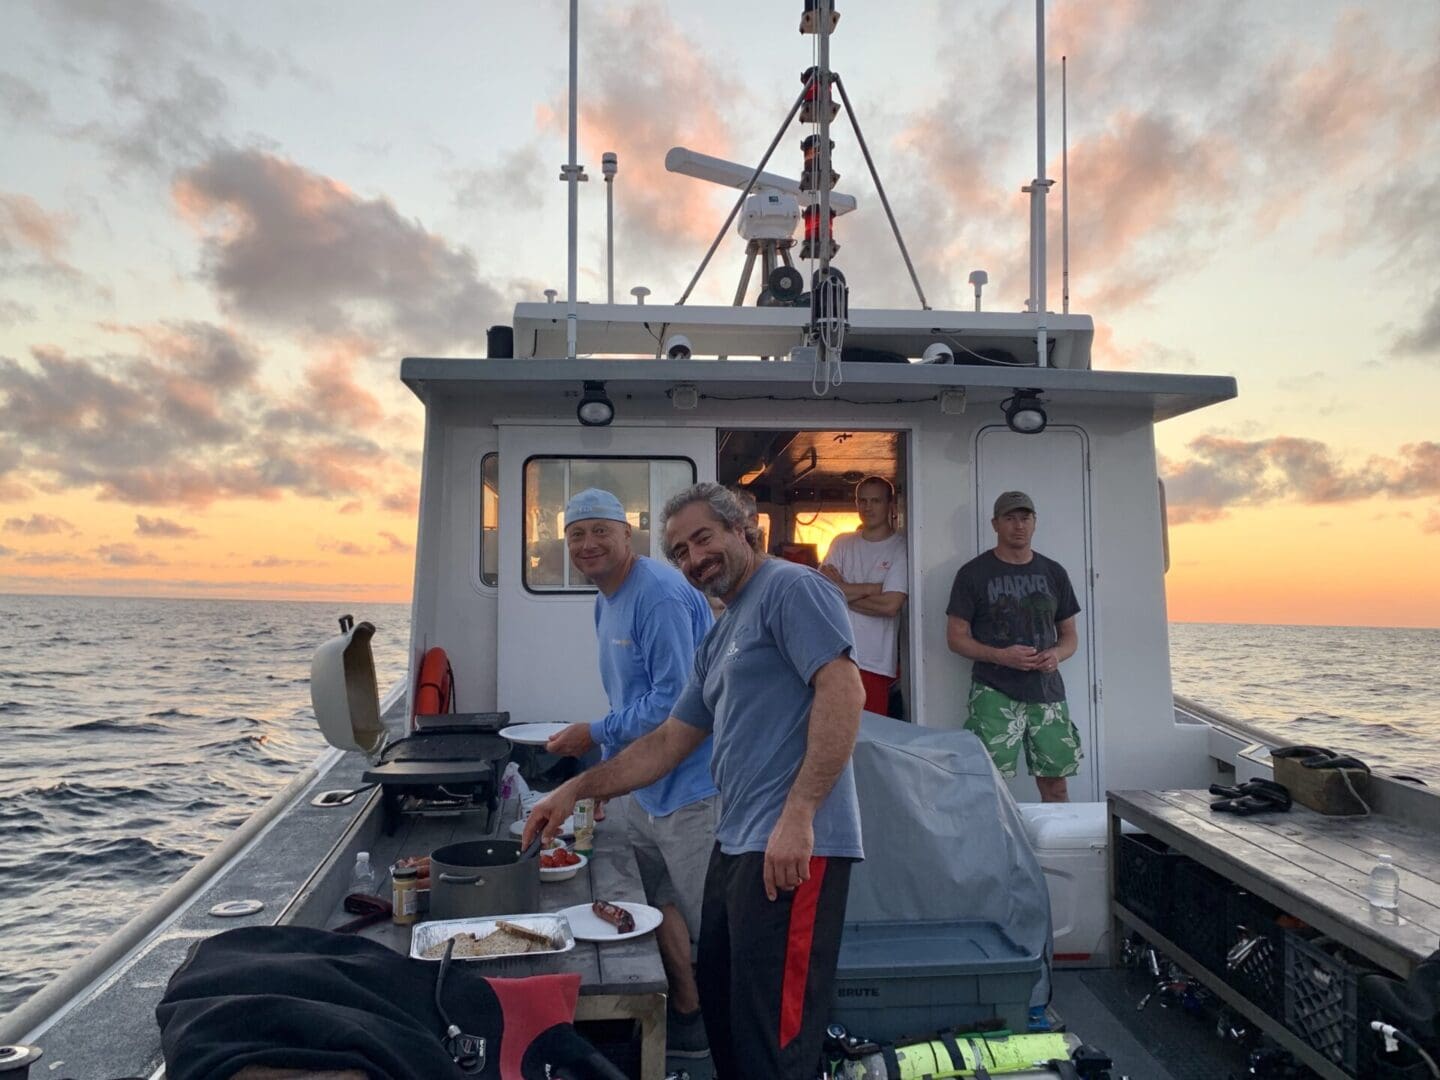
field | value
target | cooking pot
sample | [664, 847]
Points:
[483, 877]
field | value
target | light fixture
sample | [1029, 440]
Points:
[677, 347]
[684, 396]
[595, 408]
[1024, 412]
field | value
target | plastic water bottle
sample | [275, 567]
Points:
[362, 878]
[1384, 885]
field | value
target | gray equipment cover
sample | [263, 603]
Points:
[943, 838]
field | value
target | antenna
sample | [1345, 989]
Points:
[1036, 190]
[573, 173]
[1064, 193]
[609, 165]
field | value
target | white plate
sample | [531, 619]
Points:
[563, 873]
[567, 831]
[532, 734]
[587, 926]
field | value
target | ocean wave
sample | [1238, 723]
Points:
[173, 713]
[120, 724]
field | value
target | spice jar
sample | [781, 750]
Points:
[585, 827]
[404, 895]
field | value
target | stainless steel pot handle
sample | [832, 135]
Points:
[456, 879]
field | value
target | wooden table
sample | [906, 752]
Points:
[620, 981]
[1308, 865]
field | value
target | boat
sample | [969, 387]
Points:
[794, 392]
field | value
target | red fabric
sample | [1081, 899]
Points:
[797, 951]
[877, 692]
[530, 1006]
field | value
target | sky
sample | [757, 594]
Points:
[222, 226]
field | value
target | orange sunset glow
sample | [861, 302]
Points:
[220, 232]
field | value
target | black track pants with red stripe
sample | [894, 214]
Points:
[766, 969]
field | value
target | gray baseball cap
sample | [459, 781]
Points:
[593, 503]
[1013, 500]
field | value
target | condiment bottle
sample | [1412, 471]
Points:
[404, 895]
[585, 827]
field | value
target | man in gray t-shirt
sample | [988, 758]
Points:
[775, 683]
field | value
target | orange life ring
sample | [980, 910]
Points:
[435, 691]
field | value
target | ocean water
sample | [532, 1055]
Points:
[138, 733]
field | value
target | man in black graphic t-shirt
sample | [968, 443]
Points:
[1012, 611]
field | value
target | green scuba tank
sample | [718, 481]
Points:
[1011, 1054]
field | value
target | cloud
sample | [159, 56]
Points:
[1431, 524]
[38, 525]
[159, 526]
[639, 63]
[1402, 214]
[512, 183]
[179, 419]
[1225, 472]
[49, 558]
[164, 69]
[22, 101]
[396, 546]
[345, 547]
[354, 506]
[404, 500]
[274, 561]
[32, 242]
[128, 555]
[302, 252]
[6, 552]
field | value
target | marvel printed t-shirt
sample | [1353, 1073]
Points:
[648, 632]
[751, 688]
[882, 562]
[1006, 605]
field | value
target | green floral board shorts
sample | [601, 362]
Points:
[1052, 745]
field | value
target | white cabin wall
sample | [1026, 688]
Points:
[1144, 747]
[452, 608]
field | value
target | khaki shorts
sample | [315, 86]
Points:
[673, 853]
[1052, 745]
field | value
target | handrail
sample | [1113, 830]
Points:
[1223, 719]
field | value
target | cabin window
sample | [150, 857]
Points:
[641, 484]
[490, 520]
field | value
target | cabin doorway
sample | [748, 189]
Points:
[803, 482]
[1053, 469]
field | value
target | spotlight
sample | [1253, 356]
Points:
[1024, 412]
[677, 347]
[595, 408]
[938, 353]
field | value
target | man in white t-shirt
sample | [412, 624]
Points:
[871, 569]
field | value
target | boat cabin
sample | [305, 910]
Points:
[505, 448]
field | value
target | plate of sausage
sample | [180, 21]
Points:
[611, 920]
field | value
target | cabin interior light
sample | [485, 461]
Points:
[1024, 412]
[595, 408]
[684, 396]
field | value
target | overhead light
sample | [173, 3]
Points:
[595, 408]
[1024, 412]
[677, 347]
[684, 396]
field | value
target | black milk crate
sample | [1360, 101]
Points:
[1144, 878]
[1260, 973]
[1197, 917]
[1320, 997]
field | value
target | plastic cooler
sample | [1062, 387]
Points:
[1070, 841]
[897, 979]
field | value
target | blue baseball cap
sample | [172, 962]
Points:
[594, 503]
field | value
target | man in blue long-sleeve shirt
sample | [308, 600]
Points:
[649, 620]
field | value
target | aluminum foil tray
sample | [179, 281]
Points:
[426, 934]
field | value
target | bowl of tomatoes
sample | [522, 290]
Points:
[560, 864]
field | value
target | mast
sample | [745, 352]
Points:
[1064, 192]
[1037, 189]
